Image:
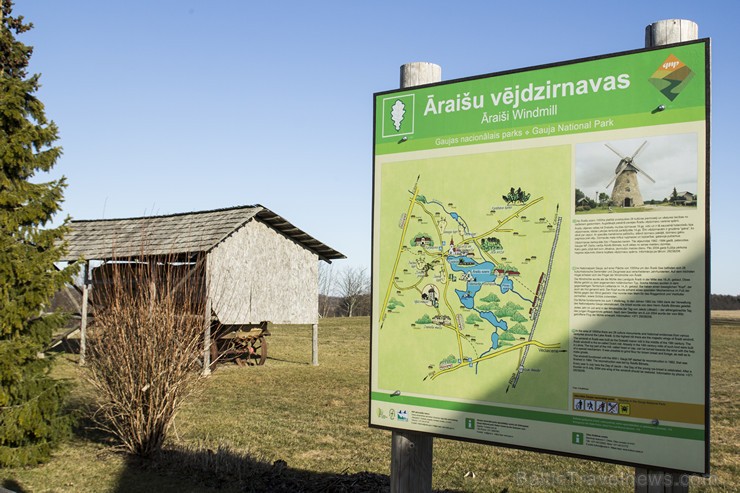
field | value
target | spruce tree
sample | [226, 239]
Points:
[31, 419]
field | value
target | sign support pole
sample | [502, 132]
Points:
[654, 480]
[207, 322]
[411, 451]
[83, 312]
[315, 344]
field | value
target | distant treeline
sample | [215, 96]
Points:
[337, 306]
[725, 302]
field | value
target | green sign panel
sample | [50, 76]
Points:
[539, 258]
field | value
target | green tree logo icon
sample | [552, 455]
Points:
[397, 111]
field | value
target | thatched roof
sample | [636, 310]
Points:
[182, 235]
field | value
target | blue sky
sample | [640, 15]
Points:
[171, 106]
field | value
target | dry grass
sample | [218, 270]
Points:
[290, 424]
[725, 317]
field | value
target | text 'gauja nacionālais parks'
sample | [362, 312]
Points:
[539, 258]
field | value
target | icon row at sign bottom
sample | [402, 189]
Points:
[600, 406]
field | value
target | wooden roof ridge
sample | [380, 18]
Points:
[182, 234]
[174, 214]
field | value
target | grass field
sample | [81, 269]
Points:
[289, 426]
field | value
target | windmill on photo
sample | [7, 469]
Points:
[626, 192]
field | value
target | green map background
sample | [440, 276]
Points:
[474, 183]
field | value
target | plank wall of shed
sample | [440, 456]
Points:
[260, 275]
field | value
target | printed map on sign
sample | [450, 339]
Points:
[473, 300]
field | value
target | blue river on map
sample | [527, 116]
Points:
[494, 342]
[506, 285]
[481, 273]
[491, 318]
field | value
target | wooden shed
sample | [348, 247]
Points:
[254, 265]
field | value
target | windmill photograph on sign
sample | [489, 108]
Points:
[626, 191]
[646, 174]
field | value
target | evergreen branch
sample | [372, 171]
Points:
[32, 399]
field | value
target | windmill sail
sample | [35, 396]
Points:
[645, 174]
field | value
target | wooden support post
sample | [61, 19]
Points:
[411, 462]
[670, 31]
[411, 451]
[315, 345]
[654, 480]
[420, 73]
[207, 322]
[83, 312]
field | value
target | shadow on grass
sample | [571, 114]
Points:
[82, 411]
[13, 486]
[182, 469]
[85, 427]
[282, 360]
[227, 363]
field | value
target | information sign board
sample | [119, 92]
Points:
[540, 254]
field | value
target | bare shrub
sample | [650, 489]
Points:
[327, 283]
[353, 284]
[144, 349]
